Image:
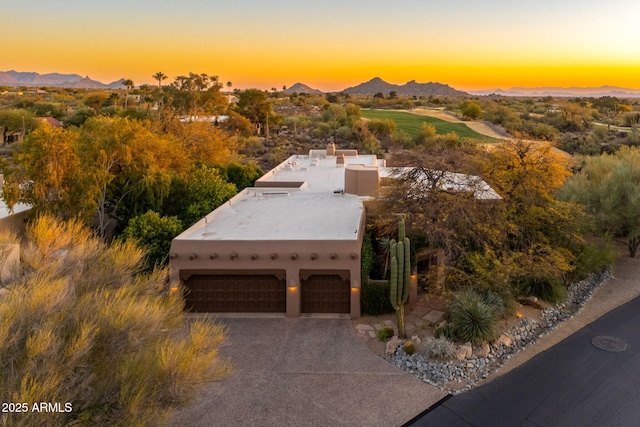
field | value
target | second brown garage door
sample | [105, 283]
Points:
[325, 293]
[235, 293]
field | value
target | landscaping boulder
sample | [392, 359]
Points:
[464, 351]
[393, 344]
[482, 351]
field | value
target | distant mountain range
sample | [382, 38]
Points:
[16, 78]
[594, 92]
[373, 86]
[411, 88]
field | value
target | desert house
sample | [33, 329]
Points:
[291, 244]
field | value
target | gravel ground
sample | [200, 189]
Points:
[460, 375]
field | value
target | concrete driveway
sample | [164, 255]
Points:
[306, 372]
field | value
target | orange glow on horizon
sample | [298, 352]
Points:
[469, 48]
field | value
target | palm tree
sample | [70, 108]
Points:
[159, 76]
[114, 97]
[229, 84]
[128, 83]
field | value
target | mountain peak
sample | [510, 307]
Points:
[411, 88]
[302, 88]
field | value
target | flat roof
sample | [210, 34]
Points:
[17, 208]
[316, 210]
[448, 181]
[319, 171]
[281, 214]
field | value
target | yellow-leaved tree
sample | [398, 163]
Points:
[81, 326]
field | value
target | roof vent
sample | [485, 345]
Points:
[275, 193]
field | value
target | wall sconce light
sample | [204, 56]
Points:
[334, 255]
[234, 256]
[213, 256]
[254, 257]
[314, 256]
[193, 256]
[274, 256]
[294, 257]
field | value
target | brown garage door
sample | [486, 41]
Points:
[325, 293]
[235, 293]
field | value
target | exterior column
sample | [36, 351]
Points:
[355, 296]
[294, 294]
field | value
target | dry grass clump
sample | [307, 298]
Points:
[80, 324]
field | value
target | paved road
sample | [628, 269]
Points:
[571, 384]
[306, 372]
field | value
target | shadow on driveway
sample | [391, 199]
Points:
[306, 372]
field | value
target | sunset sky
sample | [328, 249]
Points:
[330, 44]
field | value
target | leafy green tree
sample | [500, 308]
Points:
[241, 175]
[202, 141]
[254, 105]
[154, 234]
[609, 188]
[79, 117]
[126, 160]
[424, 134]
[14, 120]
[336, 116]
[196, 94]
[471, 110]
[197, 196]
[96, 101]
[236, 124]
[382, 129]
[87, 328]
[48, 174]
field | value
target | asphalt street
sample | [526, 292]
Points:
[573, 383]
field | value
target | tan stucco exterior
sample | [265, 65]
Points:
[295, 222]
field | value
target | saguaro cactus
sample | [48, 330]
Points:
[400, 275]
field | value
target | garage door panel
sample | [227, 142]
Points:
[326, 294]
[235, 293]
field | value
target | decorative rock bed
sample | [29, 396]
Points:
[457, 376]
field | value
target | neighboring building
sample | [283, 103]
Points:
[290, 244]
[51, 120]
[12, 220]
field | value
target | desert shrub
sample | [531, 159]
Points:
[385, 333]
[592, 257]
[367, 258]
[439, 347]
[409, 348]
[499, 303]
[82, 325]
[546, 288]
[473, 320]
[375, 298]
[445, 331]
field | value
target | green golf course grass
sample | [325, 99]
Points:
[411, 123]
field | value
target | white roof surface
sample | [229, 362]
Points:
[320, 173]
[17, 208]
[282, 214]
[450, 181]
[315, 210]
[312, 211]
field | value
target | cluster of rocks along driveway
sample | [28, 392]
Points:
[306, 372]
